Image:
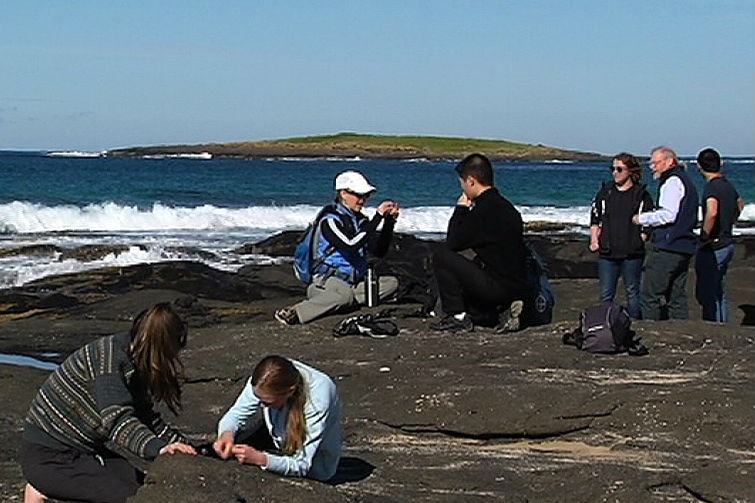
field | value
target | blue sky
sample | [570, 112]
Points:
[591, 75]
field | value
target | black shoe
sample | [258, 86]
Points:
[451, 324]
[509, 320]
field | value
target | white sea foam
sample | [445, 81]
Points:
[75, 153]
[748, 213]
[23, 217]
[150, 249]
[207, 234]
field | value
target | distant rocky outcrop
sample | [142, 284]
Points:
[350, 145]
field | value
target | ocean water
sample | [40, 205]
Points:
[201, 209]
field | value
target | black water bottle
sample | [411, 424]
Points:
[371, 290]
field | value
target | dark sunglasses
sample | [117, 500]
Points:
[617, 169]
[361, 196]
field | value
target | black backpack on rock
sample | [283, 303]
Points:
[605, 328]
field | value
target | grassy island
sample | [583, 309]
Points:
[368, 147]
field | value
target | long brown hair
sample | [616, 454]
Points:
[276, 375]
[157, 336]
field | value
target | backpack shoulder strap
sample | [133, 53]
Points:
[330, 209]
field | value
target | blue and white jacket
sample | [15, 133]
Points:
[344, 240]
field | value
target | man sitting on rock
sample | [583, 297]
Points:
[343, 239]
[481, 268]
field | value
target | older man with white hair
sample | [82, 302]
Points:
[673, 243]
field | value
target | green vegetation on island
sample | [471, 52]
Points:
[368, 147]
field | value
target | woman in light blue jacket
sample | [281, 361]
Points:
[301, 413]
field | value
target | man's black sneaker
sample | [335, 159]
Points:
[287, 315]
[451, 324]
[509, 321]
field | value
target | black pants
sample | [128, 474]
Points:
[465, 286]
[73, 475]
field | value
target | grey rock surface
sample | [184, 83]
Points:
[429, 416]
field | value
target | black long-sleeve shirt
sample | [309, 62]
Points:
[612, 210]
[493, 228]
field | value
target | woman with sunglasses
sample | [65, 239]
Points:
[620, 243]
[343, 241]
[299, 433]
[96, 410]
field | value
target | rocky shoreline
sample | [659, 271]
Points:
[428, 417]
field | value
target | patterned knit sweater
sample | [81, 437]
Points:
[95, 401]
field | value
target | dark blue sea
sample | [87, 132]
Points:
[194, 208]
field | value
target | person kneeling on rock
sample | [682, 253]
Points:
[342, 241]
[301, 432]
[481, 266]
[97, 404]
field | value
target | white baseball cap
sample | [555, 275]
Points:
[354, 182]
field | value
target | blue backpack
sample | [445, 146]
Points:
[305, 263]
[538, 306]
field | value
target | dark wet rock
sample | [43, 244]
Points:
[90, 253]
[21, 304]
[539, 226]
[190, 277]
[272, 281]
[567, 256]
[191, 253]
[277, 245]
[190, 480]
[31, 251]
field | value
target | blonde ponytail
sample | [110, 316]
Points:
[277, 375]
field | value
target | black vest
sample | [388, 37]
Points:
[679, 236]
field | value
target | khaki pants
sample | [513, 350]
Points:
[333, 294]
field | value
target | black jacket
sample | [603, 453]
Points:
[612, 210]
[493, 228]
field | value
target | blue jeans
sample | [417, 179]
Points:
[710, 288]
[630, 271]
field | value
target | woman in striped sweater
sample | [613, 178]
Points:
[96, 411]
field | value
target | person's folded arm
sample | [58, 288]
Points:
[379, 246]
[463, 229]
[669, 202]
[246, 405]
[120, 425]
